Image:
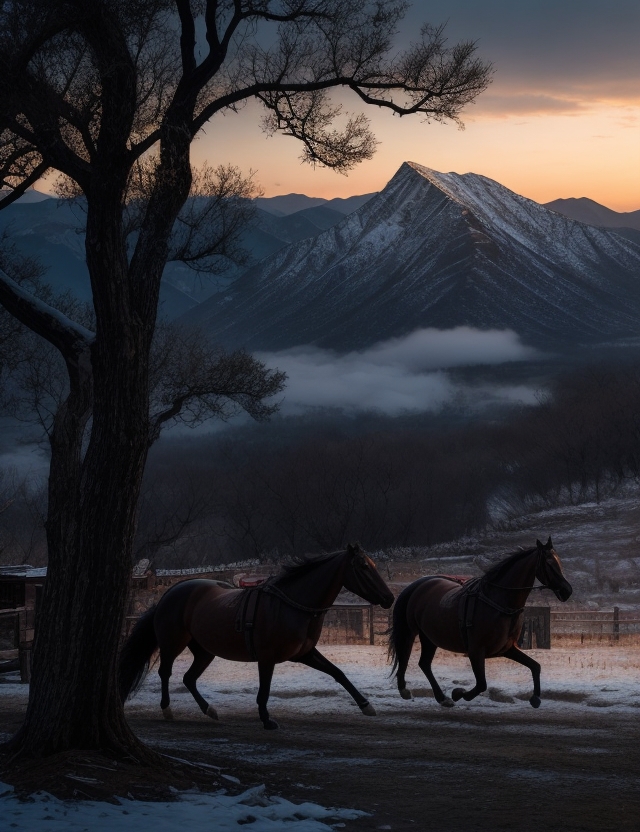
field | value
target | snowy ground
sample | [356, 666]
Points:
[593, 676]
[575, 683]
[198, 812]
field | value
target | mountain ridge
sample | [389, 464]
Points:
[590, 212]
[435, 250]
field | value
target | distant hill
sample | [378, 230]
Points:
[29, 196]
[436, 250]
[586, 210]
[53, 231]
[292, 203]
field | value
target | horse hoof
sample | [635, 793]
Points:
[405, 693]
[270, 724]
[211, 712]
[167, 713]
[457, 693]
[447, 703]
[535, 701]
[368, 710]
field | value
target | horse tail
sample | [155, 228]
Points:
[136, 654]
[401, 636]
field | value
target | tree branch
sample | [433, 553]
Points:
[187, 36]
[71, 339]
[36, 174]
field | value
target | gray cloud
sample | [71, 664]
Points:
[400, 375]
[574, 50]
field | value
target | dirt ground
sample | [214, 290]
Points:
[573, 765]
[438, 770]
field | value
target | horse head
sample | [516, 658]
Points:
[549, 571]
[363, 579]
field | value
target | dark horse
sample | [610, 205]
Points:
[481, 617]
[281, 620]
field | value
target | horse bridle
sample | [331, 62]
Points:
[516, 588]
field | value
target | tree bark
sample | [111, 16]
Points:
[93, 493]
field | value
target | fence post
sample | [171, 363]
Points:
[24, 656]
[616, 623]
[372, 635]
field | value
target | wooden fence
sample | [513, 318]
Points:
[355, 624]
[613, 626]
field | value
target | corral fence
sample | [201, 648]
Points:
[355, 624]
[542, 627]
[614, 626]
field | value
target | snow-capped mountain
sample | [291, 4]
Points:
[436, 250]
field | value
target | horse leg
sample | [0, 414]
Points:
[426, 657]
[477, 665]
[522, 658]
[164, 672]
[403, 654]
[317, 661]
[265, 673]
[201, 661]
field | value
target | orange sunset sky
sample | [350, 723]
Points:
[561, 118]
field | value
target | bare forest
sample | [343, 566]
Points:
[310, 483]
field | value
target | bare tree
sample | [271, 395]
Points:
[89, 90]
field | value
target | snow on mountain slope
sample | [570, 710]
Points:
[436, 250]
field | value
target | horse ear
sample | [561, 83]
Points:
[549, 543]
[539, 545]
[351, 549]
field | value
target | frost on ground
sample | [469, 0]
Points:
[198, 812]
[598, 676]
[583, 739]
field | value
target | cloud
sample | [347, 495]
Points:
[560, 56]
[399, 375]
[510, 104]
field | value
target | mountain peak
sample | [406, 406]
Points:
[436, 250]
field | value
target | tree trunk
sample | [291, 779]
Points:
[74, 700]
[93, 494]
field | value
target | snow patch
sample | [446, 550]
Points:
[193, 810]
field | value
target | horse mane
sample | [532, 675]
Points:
[300, 565]
[494, 573]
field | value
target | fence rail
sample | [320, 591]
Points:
[610, 624]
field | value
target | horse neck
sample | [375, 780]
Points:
[517, 581]
[320, 586]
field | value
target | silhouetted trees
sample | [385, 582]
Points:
[309, 485]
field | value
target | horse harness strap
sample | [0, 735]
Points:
[472, 592]
[246, 617]
[272, 589]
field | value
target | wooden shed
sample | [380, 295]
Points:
[536, 628]
[20, 589]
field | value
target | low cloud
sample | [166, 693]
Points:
[400, 375]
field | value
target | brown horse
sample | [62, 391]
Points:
[280, 620]
[481, 617]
